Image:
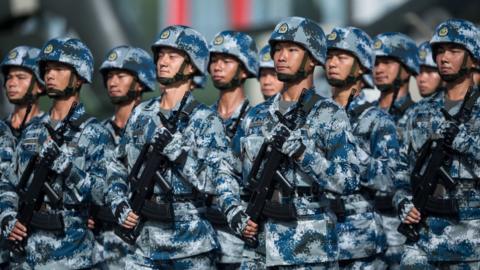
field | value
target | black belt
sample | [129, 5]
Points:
[216, 218]
[47, 222]
[384, 204]
[337, 205]
[442, 207]
[280, 211]
[162, 212]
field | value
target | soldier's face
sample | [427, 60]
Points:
[119, 83]
[169, 61]
[450, 58]
[57, 75]
[223, 68]
[269, 83]
[428, 80]
[288, 56]
[17, 82]
[339, 64]
[386, 70]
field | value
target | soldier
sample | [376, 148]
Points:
[71, 151]
[318, 155]
[361, 237]
[269, 83]
[450, 219]
[428, 80]
[396, 60]
[191, 139]
[23, 86]
[127, 73]
[233, 59]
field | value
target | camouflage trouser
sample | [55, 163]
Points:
[310, 266]
[416, 259]
[370, 263]
[203, 261]
[395, 241]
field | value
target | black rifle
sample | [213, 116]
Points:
[32, 196]
[147, 171]
[272, 158]
[431, 169]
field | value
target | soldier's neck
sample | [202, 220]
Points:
[458, 89]
[385, 100]
[122, 113]
[341, 95]
[293, 91]
[174, 94]
[61, 107]
[229, 102]
[19, 112]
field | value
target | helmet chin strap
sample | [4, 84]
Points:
[464, 70]
[395, 86]
[180, 76]
[132, 94]
[235, 82]
[299, 75]
[69, 91]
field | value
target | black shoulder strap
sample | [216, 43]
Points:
[465, 112]
[190, 107]
[82, 119]
[233, 130]
[310, 103]
[360, 109]
[401, 110]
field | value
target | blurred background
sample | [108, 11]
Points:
[104, 24]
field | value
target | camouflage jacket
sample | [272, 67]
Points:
[204, 171]
[81, 183]
[446, 239]
[328, 162]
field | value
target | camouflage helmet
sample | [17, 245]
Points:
[355, 41]
[460, 32]
[134, 60]
[425, 55]
[239, 45]
[199, 81]
[24, 57]
[398, 46]
[304, 32]
[70, 51]
[265, 58]
[187, 40]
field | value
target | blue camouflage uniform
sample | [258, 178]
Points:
[23, 57]
[189, 241]
[448, 240]
[7, 148]
[243, 48]
[403, 49]
[79, 172]
[328, 165]
[113, 250]
[361, 235]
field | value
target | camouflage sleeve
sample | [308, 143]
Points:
[403, 190]
[117, 187]
[384, 154]
[208, 161]
[88, 172]
[330, 152]
[7, 145]
[8, 194]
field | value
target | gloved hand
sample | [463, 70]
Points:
[57, 159]
[404, 208]
[288, 142]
